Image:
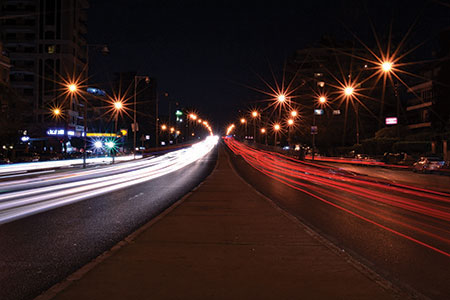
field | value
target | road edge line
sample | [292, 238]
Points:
[57, 288]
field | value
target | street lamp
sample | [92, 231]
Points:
[56, 112]
[135, 126]
[322, 100]
[276, 128]
[348, 93]
[255, 116]
[290, 122]
[281, 98]
[294, 113]
[73, 91]
[386, 66]
[263, 131]
[118, 105]
[244, 122]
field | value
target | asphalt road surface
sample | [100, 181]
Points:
[400, 231]
[39, 250]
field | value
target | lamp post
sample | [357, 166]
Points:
[244, 122]
[73, 91]
[263, 131]
[135, 126]
[254, 116]
[118, 105]
[348, 93]
[322, 100]
[276, 128]
[290, 122]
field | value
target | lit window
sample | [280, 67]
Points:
[51, 49]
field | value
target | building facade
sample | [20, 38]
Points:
[46, 43]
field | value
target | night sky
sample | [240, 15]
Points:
[204, 53]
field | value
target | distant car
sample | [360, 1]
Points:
[429, 164]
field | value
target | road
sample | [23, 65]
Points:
[401, 231]
[54, 224]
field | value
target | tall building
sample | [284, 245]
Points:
[46, 43]
[4, 66]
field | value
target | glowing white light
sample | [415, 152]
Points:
[21, 198]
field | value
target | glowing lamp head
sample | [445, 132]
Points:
[254, 114]
[193, 117]
[110, 144]
[56, 111]
[98, 144]
[199, 120]
[348, 91]
[386, 66]
[323, 99]
[172, 129]
[243, 120]
[281, 98]
[290, 122]
[72, 88]
[163, 127]
[276, 127]
[294, 113]
[263, 130]
[118, 105]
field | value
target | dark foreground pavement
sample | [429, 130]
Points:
[222, 241]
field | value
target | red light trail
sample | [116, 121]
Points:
[382, 203]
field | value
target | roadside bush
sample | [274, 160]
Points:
[412, 147]
[378, 146]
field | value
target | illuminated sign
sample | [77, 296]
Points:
[318, 112]
[124, 132]
[99, 134]
[391, 121]
[95, 91]
[25, 138]
[178, 113]
[336, 112]
[56, 132]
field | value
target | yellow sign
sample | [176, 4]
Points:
[124, 132]
[92, 134]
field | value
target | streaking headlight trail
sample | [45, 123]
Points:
[22, 198]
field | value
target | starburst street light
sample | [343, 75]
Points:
[56, 112]
[118, 105]
[294, 113]
[323, 99]
[386, 66]
[290, 122]
[254, 114]
[348, 90]
[243, 121]
[281, 98]
[163, 127]
[72, 87]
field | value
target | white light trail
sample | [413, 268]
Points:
[42, 165]
[30, 196]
